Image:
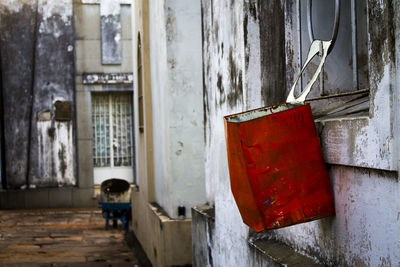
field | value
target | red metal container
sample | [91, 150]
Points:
[277, 171]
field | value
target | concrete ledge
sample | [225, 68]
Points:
[47, 198]
[264, 252]
[175, 238]
[275, 253]
[166, 241]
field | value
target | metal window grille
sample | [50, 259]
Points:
[112, 129]
[122, 130]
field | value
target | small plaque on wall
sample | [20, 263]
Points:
[44, 115]
[63, 111]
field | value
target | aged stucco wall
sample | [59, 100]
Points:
[159, 73]
[232, 83]
[37, 47]
[366, 227]
[175, 47]
[169, 140]
[366, 199]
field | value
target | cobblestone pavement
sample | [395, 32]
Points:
[73, 237]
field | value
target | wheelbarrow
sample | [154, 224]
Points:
[115, 212]
[114, 200]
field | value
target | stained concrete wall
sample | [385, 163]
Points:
[46, 46]
[243, 62]
[37, 47]
[176, 73]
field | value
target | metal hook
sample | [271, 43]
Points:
[335, 25]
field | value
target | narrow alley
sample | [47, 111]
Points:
[61, 237]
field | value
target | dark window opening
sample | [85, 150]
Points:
[345, 87]
[140, 85]
[3, 183]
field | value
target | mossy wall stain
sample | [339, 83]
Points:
[62, 158]
[272, 47]
[235, 96]
[382, 41]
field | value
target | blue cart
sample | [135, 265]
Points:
[115, 212]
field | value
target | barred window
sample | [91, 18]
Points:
[112, 129]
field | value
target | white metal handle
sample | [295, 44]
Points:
[317, 46]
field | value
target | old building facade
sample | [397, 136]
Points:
[67, 90]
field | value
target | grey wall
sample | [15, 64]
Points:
[37, 48]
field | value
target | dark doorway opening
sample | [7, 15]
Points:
[2, 158]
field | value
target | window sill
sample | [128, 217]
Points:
[356, 141]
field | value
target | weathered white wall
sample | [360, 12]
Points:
[56, 152]
[224, 63]
[177, 95]
[158, 53]
[366, 228]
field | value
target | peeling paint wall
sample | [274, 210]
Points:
[176, 79]
[365, 229]
[55, 159]
[110, 32]
[232, 83]
[37, 47]
[366, 199]
[224, 76]
[255, 44]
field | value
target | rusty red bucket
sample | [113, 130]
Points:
[277, 171]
